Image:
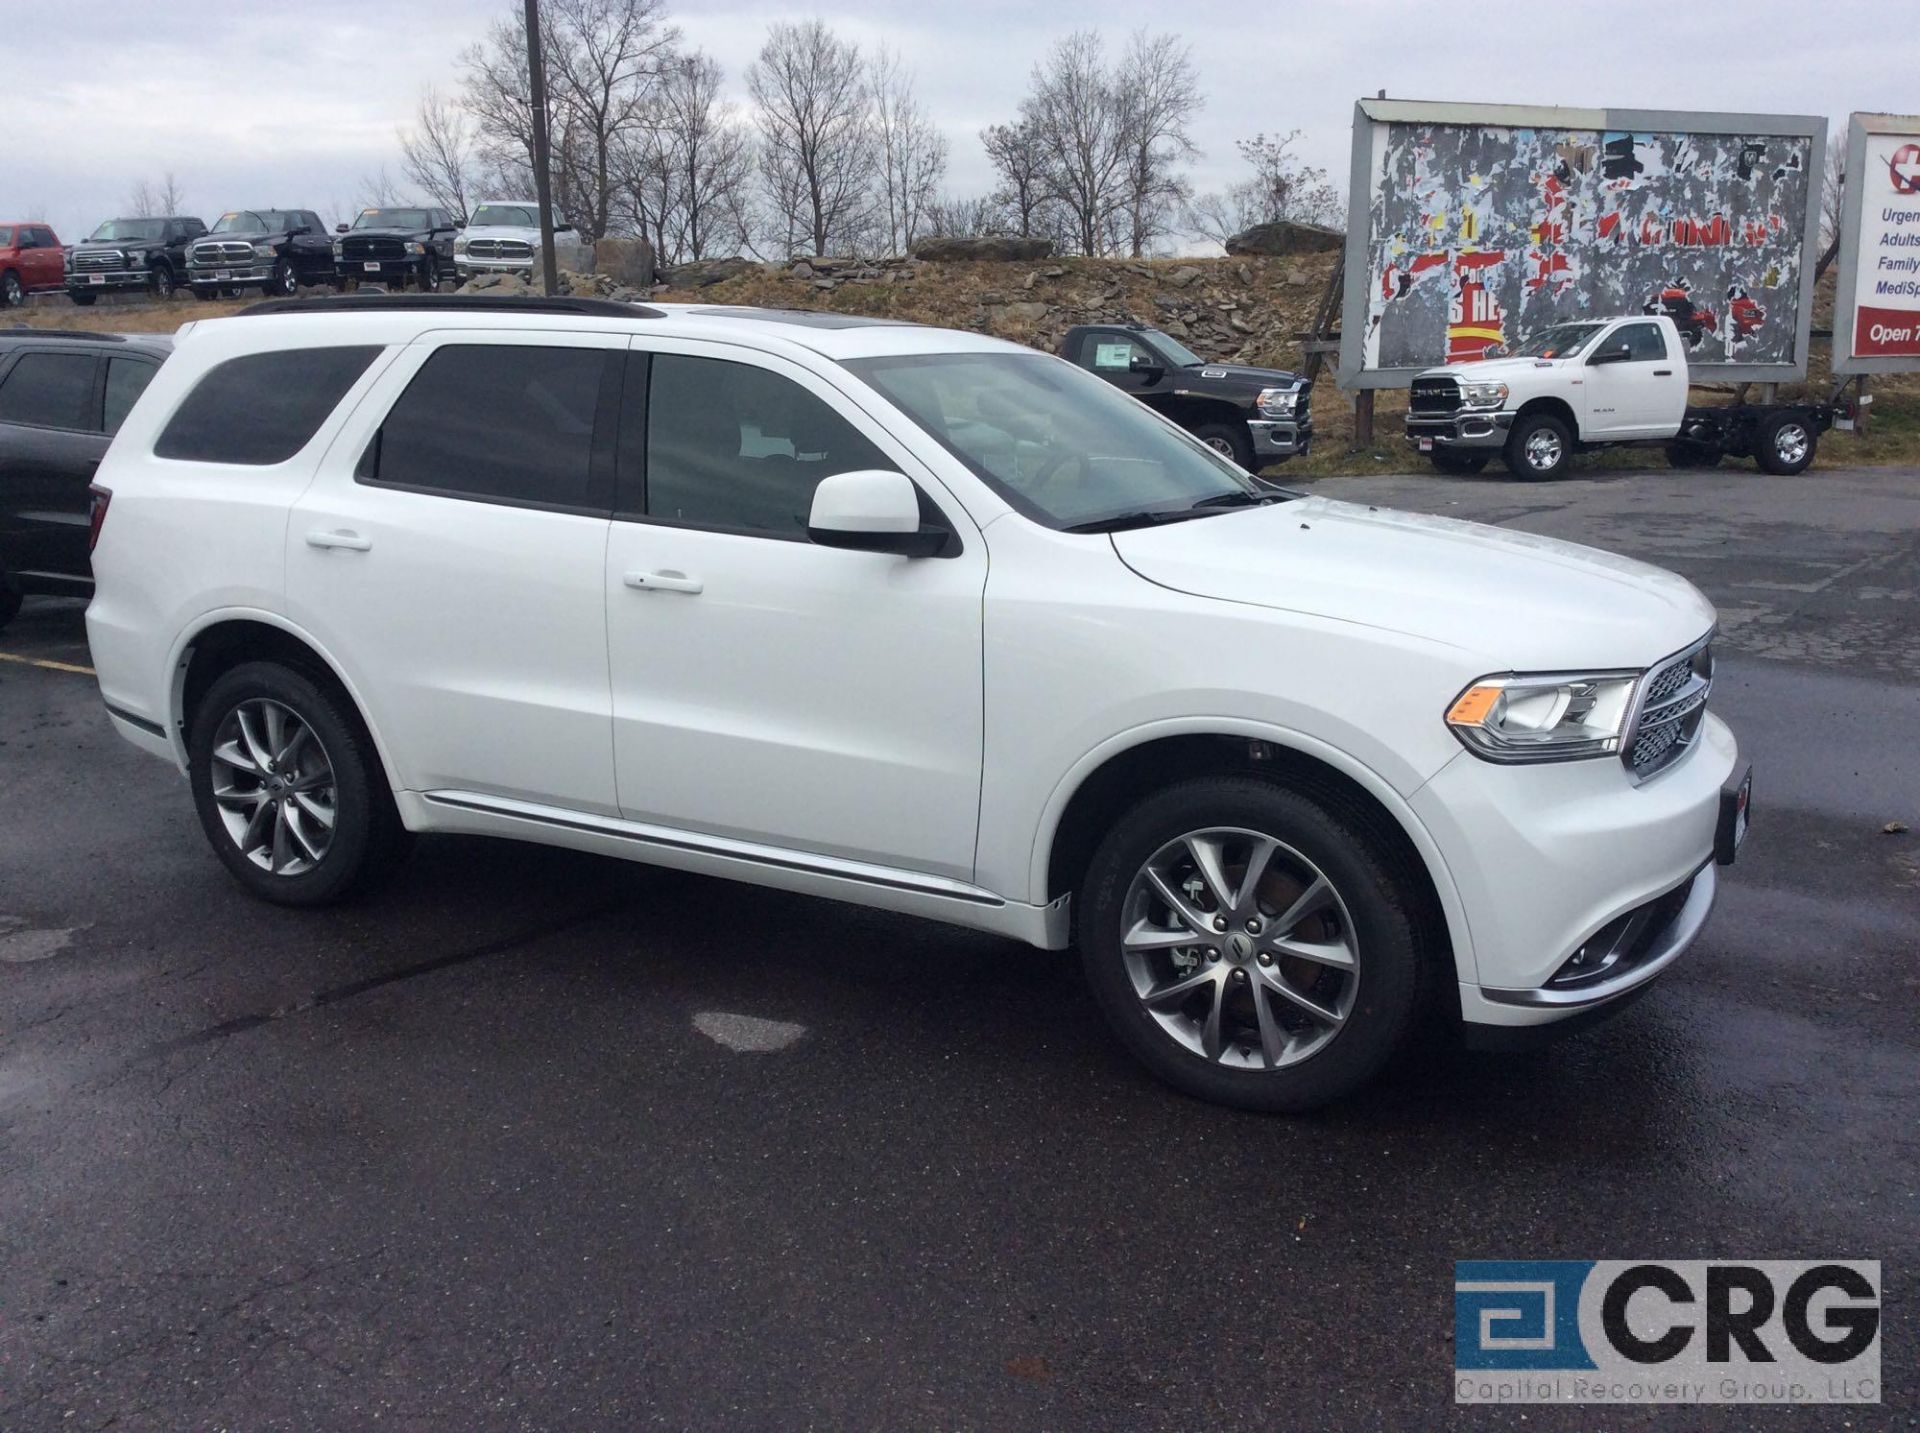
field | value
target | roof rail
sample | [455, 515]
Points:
[76, 335]
[453, 303]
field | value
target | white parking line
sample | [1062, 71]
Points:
[747, 1034]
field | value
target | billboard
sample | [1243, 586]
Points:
[1473, 225]
[1876, 308]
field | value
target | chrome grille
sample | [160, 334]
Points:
[98, 260]
[368, 247]
[1434, 395]
[1673, 704]
[209, 252]
[499, 249]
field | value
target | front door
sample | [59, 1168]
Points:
[450, 553]
[765, 688]
[1638, 396]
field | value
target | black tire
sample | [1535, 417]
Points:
[206, 293]
[1230, 440]
[367, 838]
[430, 276]
[284, 284]
[1539, 448]
[9, 603]
[13, 293]
[163, 283]
[1462, 463]
[1785, 444]
[82, 297]
[1683, 454]
[1392, 986]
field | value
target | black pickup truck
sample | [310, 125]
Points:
[391, 246]
[273, 250]
[126, 254]
[1255, 416]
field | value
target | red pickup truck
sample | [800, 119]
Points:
[31, 261]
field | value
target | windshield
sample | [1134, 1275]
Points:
[514, 216]
[1064, 447]
[130, 229]
[1182, 356]
[249, 221]
[1561, 341]
[392, 219]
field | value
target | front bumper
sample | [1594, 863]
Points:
[465, 266]
[1281, 437]
[95, 280]
[1461, 430]
[1575, 859]
[243, 274]
[378, 269]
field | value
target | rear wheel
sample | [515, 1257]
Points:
[1453, 461]
[1229, 440]
[1540, 447]
[1249, 945]
[1785, 444]
[289, 789]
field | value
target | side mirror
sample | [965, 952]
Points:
[1146, 368]
[339, 228]
[1620, 354]
[873, 511]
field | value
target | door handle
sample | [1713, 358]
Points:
[664, 581]
[1663, 373]
[351, 541]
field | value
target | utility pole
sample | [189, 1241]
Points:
[542, 168]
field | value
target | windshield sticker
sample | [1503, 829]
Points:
[1112, 355]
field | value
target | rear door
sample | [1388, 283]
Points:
[50, 444]
[450, 554]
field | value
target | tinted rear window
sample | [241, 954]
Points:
[263, 408]
[508, 423]
[50, 390]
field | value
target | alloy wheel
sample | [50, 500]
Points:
[12, 294]
[1240, 948]
[274, 786]
[1790, 442]
[1543, 450]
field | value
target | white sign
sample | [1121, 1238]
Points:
[1877, 311]
[1112, 355]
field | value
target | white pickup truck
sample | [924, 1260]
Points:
[1592, 384]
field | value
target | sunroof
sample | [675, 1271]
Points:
[800, 318]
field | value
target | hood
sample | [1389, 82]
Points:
[1252, 377]
[1490, 370]
[1515, 601]
[252, 236]
[383, 232]
[517, 231]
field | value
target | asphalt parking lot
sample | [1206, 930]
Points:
[543, 1140]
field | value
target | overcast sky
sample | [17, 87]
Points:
[260, 102]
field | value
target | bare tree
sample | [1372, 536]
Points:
[1281, 187]
[438, 155]
[1157, 92]
[685, 176]
[494, 93]
[1833, 182]
[378, 191]
[1077, 122]
[913, 154]
[816, 141]
[969, 218]
[156, 201]
[1017, 157]
[607, 59]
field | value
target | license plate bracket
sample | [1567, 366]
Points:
[1426, 445]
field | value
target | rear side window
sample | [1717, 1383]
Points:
[49, 390]
[263, 408]
[500, 422]
[127, 379]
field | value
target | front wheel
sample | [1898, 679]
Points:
[163, 284]
[1249, 945]
[288, 787]
[284, 283]
[1539, 447]
[13, 293]
[1229, 440]
[1449, 461]
[430, 276]
[1785, 445]
[83, 297]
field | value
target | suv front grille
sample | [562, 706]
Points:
[372, 248]
[1436, 396]
[209, 252]
[1673, 704]
[499, 249]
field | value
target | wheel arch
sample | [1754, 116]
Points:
[222, 640]
[1083, 805]
[1556, 407]
[1191, 412]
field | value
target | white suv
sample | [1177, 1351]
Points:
[915, 619]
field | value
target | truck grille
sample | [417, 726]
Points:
[372, 248]
[98, 260]
[211, 252]
[499, 249]
[1435, 396]
[1673, 704]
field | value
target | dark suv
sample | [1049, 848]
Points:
[62, 396]
[273, 250]
[148, 254]
[392, 246]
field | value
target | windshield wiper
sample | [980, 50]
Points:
[1239, 499]
[1140, 517]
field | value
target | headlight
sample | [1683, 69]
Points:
[1543, 718]
[339, 249]
[1483, 395]
[460, 245]
[1277, 402]
[416, 248]
[263, 251]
